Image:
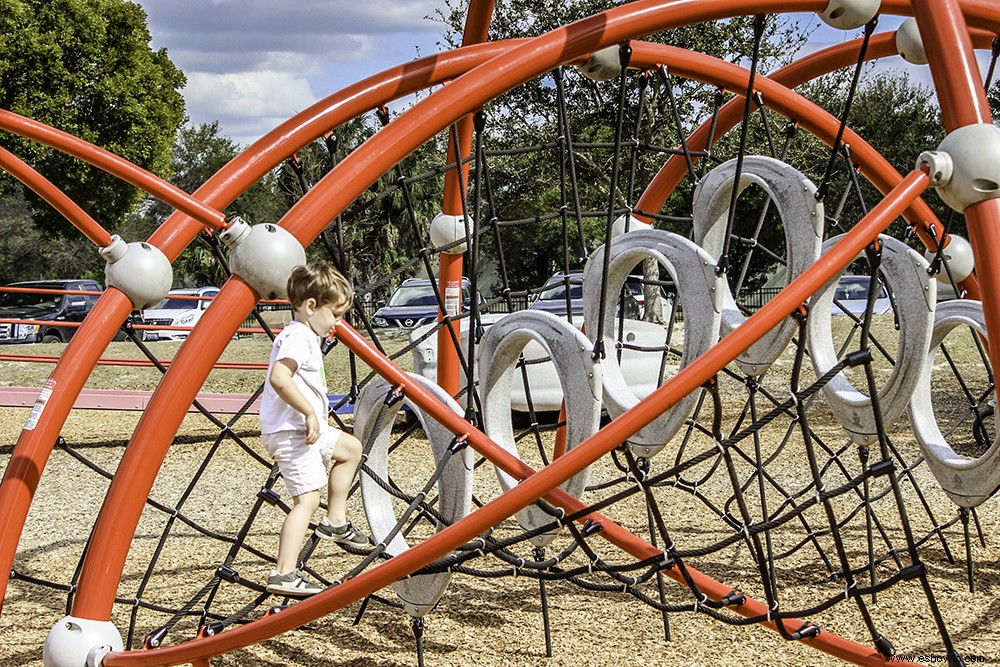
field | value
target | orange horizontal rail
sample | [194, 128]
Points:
[138, 363]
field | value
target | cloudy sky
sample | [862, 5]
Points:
[251, 64]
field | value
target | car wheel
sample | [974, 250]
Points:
[51, 337]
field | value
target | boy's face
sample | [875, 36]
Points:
[321, 318]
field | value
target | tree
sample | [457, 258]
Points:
[86, 67]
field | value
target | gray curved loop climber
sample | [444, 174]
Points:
[794, 197]
[914, 293]
[579, 375]
[418, 593]
[968, 482]
[699, 292]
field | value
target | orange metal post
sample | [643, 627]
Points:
[963, 102]
[477, 24]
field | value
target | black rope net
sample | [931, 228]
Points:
[761, 488]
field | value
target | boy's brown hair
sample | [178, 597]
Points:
[320, 281]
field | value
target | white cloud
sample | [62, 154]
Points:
[253, 63]
[251, 103]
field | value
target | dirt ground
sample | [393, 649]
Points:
[488, 621]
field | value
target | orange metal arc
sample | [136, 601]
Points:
[34, 446]
[365, 156]
[113, 164]
[545, 481]
[55, 197]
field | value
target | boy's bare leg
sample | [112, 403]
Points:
[294, 529]
[346, 456]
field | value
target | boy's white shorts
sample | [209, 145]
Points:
[303, 466]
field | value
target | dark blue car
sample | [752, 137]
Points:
[414, 304]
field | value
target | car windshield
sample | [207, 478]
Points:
[29, 300]
[178, 304]
[413, 295]
[557, 290]
[856, 289]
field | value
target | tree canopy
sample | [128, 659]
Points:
[86, 67]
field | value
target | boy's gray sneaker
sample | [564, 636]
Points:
[293, 584]
[346, 534]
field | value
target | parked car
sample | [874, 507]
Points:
[414, 304]
[851, 297]
[46, 306]
[180, 308]
[552, 298]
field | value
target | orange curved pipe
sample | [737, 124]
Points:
[34, 446]
[366, 160]
[55, 197]
[113, 164]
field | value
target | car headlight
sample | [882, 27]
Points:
[184, 320]
[25, 330]
[379, 322]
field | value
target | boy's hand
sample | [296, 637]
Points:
[312, 428]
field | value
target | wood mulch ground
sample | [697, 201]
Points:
[481, 621]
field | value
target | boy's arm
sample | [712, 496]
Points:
[285, 387]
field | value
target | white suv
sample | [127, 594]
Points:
[180, 308]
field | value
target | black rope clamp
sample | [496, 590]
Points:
[227, 573]
[155, 638]
[884, 646]
[459, 443]
[807, 631]
[210, 629]
[733, 599]
[382, 113]
[858, 357]
[912, 571]
[395, 395]
[884, 467]
[591, 527]
[269, 496]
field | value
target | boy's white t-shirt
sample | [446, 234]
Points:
[298, 343]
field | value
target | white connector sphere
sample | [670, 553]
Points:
[603, 65]
[958, 259]
[80, 642]
[448, 229]
[263, 255]
[975, 157]
[849, 14]
[140, 270]
[909, 44]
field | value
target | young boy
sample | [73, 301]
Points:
[294, 428]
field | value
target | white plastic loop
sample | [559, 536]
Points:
[905, 273]
[699, 290]
[794, 198]
[421, 592]
[579, 377]
[968, 482]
